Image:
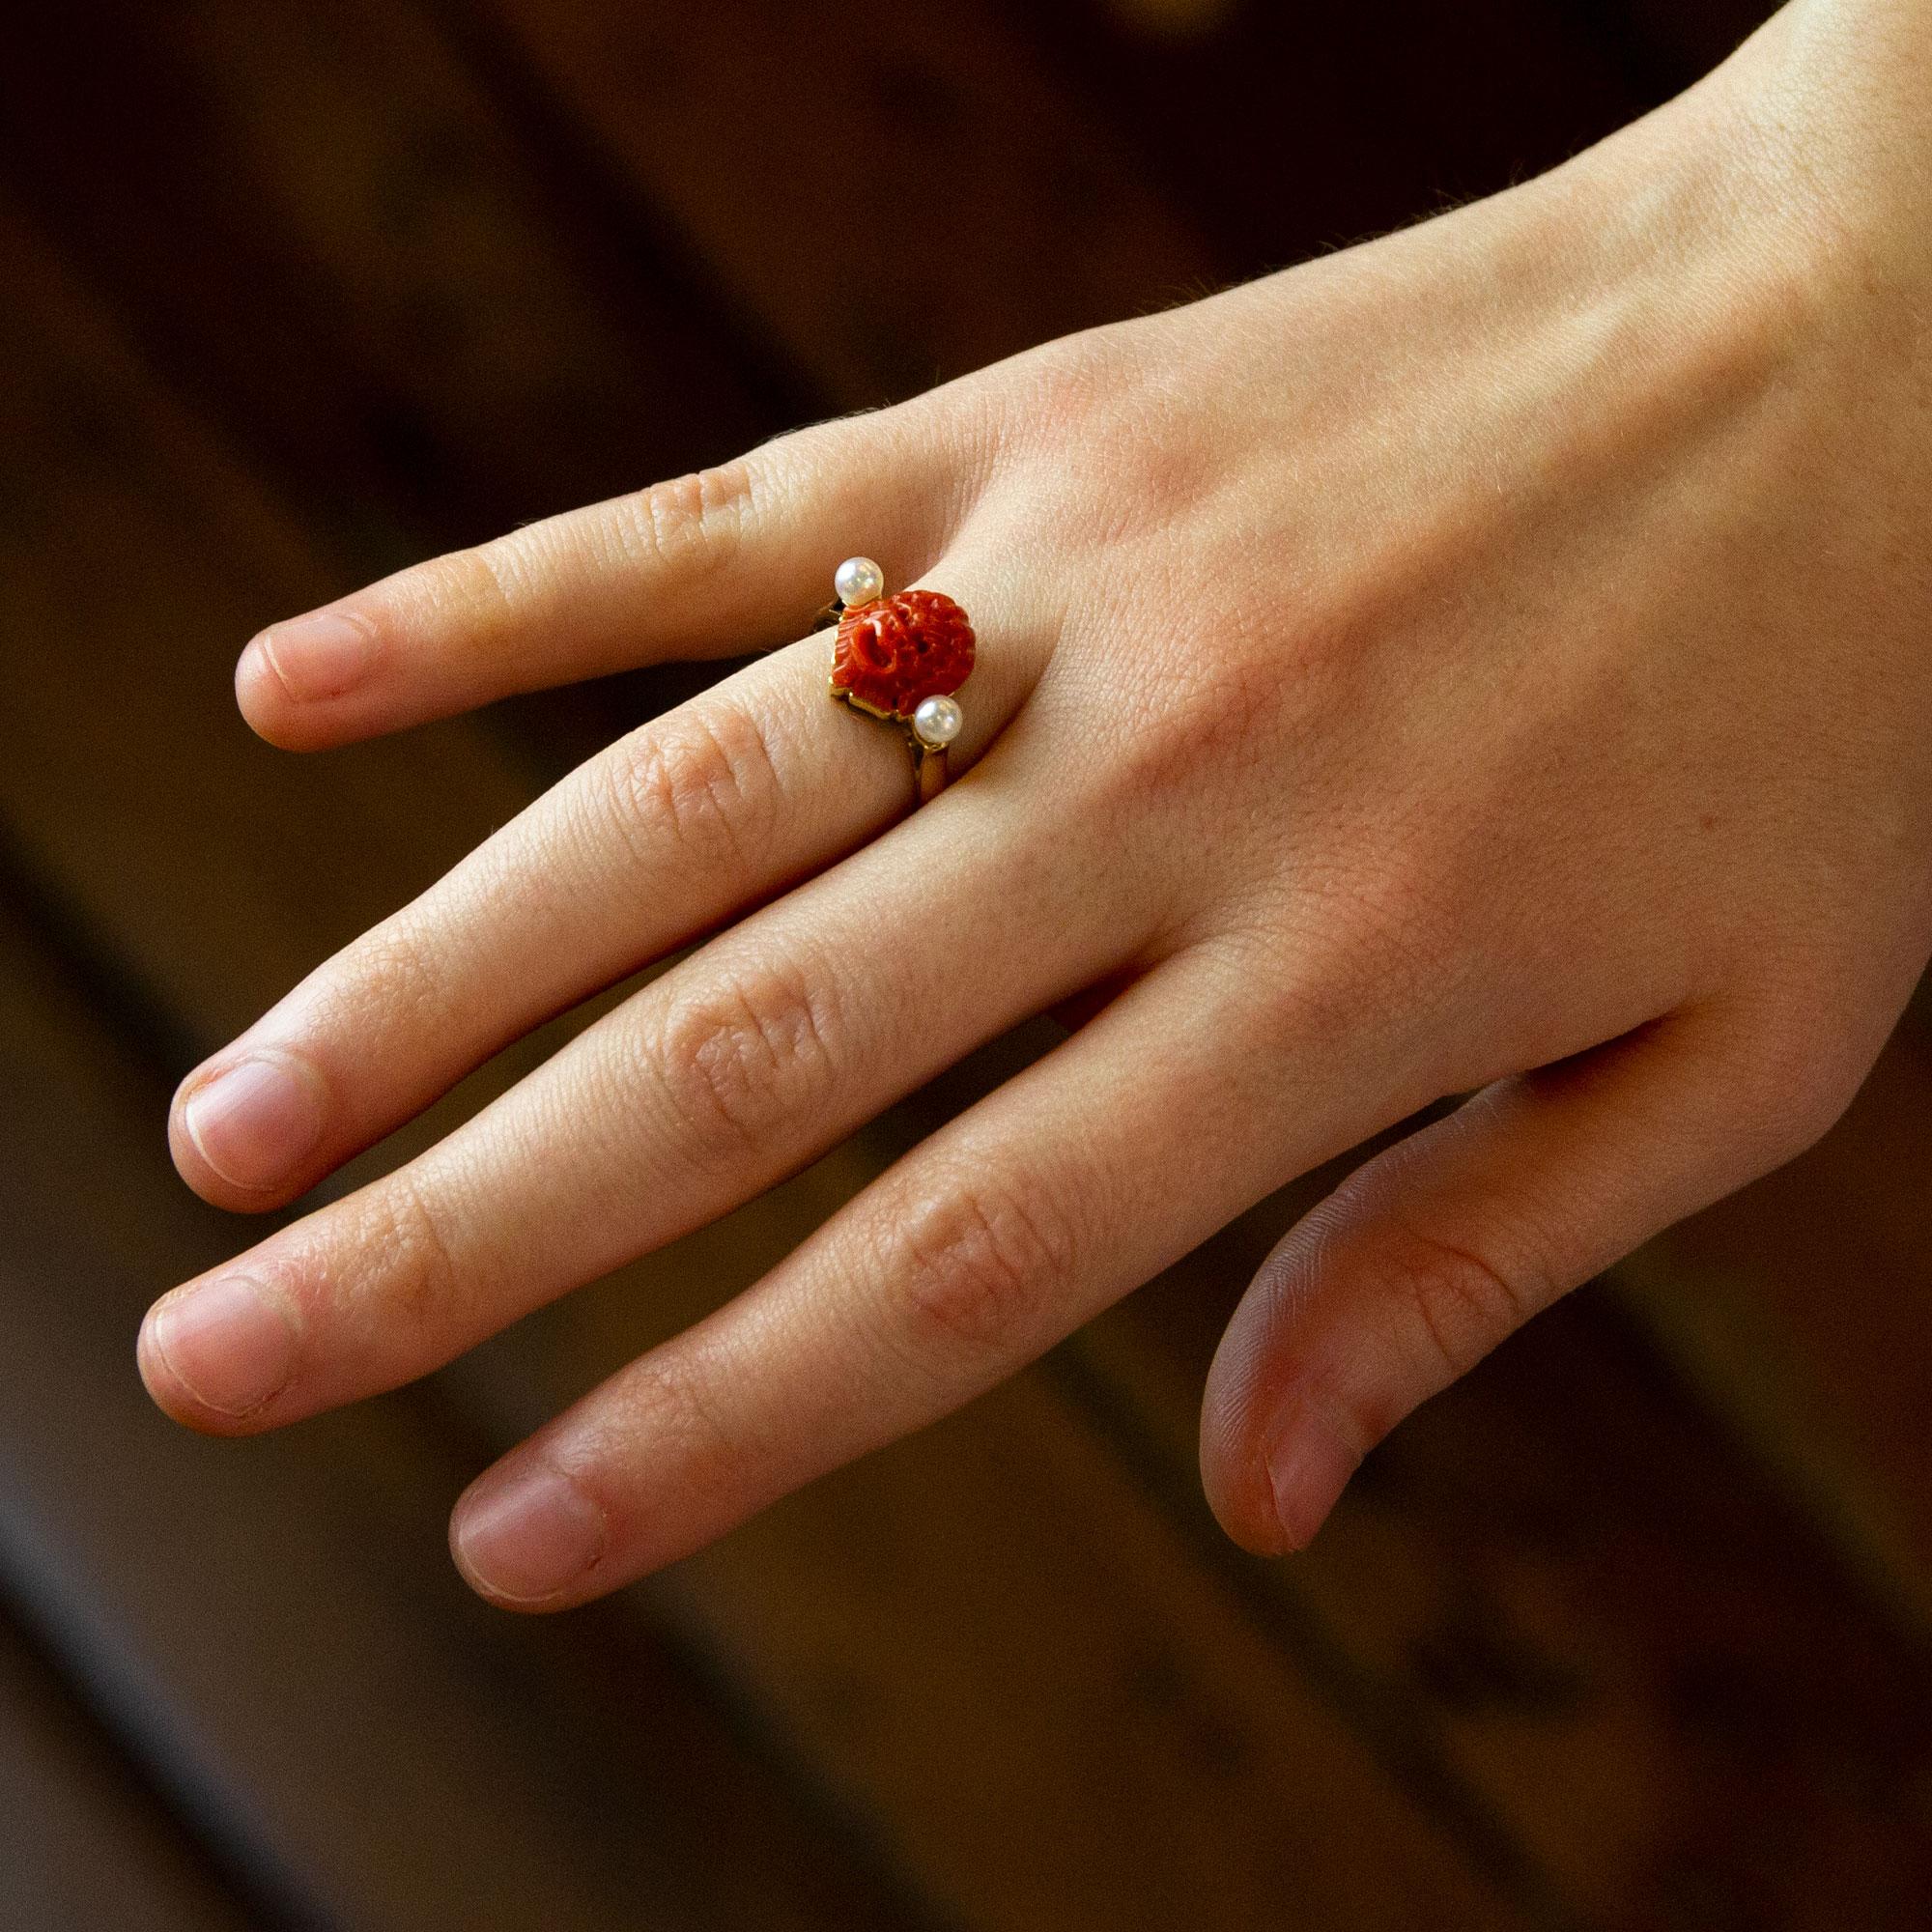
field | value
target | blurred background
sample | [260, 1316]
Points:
[1631, 1630]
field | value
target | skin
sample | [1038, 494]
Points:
[1490, 661]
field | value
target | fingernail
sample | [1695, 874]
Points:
[1308, 1468]
[528, 1536]
[321, 655]
[255, 1121]
[230, 1343]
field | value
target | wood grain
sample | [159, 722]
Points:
[896, 200]
[1629, 1630]
[84, 1846]
[326, 237]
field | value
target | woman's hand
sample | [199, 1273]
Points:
[1493, 659]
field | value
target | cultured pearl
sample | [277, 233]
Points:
[937, 722]
[858, 581]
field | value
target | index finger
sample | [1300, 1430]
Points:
[716, 562]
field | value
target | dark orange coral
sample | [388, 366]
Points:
[896, 651]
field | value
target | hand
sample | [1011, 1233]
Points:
[1490, 661]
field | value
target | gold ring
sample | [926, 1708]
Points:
[901, 658]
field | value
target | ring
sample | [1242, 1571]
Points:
[901, 658]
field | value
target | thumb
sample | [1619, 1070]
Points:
[1432, 1253]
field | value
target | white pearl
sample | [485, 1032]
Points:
[937, 722]
[858, 581]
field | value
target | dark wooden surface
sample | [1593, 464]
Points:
[1631, 1630]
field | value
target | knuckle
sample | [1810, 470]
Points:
[1787, 1108]
[1393, 925]
[414, 1283]
[1367, 939]
[1306, 964]
[696, 520]
[703, 780]
[480, 585]
[736, 1061]
[675, 1395]
[393, 979]
[1065, 383]
[1798, 1063]
[1186, 738]
[972, 1268]
[1103, 385]
[1462, 1302]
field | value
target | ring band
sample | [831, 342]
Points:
[901, 658]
